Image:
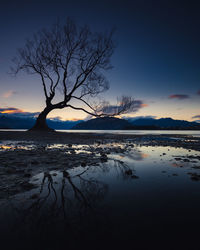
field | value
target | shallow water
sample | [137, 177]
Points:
[195, 133]
[145, 196]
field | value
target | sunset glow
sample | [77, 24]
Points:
[149, 64]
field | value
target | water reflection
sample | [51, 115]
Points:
[132, 195]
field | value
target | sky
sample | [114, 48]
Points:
[156, 61]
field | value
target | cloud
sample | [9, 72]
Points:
[140, 117]
[10, 110]
[198, 92]
[56, 118]
[8, 93]
[143, 105]
[196, 116]
[178, 96]
[18, 112]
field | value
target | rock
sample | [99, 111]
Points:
[195, 176]
[129, 172]
[177, 159]
[103, 154]
[65, 174]
[196, 167]
[104, 158]
[27, 175]
[134, 177]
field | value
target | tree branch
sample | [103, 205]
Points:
[78, 98]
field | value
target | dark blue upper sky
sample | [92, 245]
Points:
[157, 54]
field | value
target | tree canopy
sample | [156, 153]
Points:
[70, 61]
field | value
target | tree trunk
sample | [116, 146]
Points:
[41, 124]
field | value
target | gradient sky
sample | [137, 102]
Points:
[157, 59]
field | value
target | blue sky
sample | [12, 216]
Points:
[156, 59]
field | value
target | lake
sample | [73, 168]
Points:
[126, 132]
[142, 197]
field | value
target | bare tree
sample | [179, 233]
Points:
[70, 60]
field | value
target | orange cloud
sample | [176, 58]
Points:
[73, 119]
[178, 96]
[144, 105]
[11, 111]
[17, 112]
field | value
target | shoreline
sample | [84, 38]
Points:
[173, 140]
[24, 154]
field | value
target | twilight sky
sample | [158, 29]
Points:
[157, 59]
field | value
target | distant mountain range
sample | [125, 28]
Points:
[164, 123]
[105, 123]
[14, 122]
[111, 123]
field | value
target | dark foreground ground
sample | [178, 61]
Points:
[99, 191]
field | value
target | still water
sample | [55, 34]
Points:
[145, 198]
[138, 132]
[127, 132]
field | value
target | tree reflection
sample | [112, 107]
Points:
[124, 170]
[67, 202]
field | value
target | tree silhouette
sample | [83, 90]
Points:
[70, 59]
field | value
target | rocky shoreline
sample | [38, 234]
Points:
[90, 138]
[25, 154]
[174, 140]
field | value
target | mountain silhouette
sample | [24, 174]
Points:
[14, 122]
[104, 123]
[164, 123]
[111, 123]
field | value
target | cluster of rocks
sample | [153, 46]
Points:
[194, 176]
